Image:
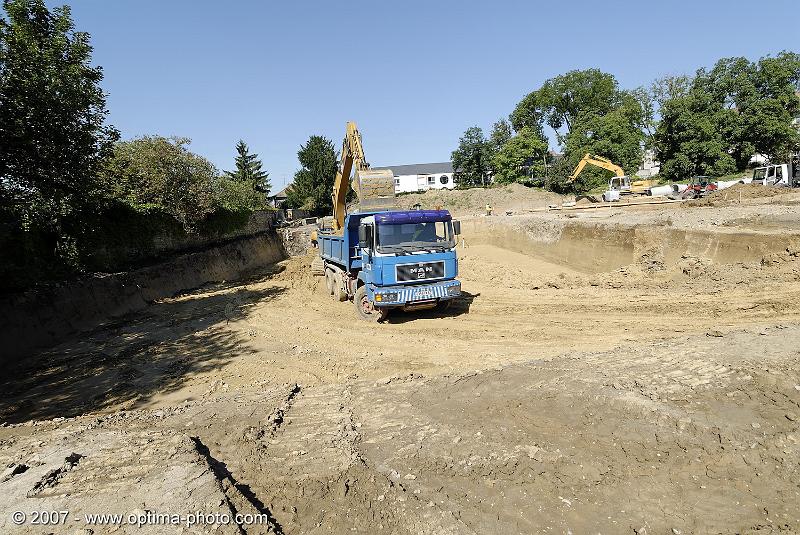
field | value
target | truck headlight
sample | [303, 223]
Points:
[454, 290]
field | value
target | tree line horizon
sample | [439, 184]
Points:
[710, 123]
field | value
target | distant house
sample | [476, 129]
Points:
[649, 166]
[279, 199]
[422, 176]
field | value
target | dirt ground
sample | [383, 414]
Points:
[612, 370]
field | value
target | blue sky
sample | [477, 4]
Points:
[413, 75]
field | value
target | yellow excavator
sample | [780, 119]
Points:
[597, 161]
[619, 184]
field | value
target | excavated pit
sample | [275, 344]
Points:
[610, 372]
[601, 247]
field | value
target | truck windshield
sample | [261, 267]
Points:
[411, 237]
[759, 173]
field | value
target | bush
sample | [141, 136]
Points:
[154, 170]
[237, 195]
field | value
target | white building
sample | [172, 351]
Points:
[422, 176]
[649, 166]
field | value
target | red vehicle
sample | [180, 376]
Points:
[699, 186]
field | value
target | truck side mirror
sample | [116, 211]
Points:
[365, 236]
[456, 227]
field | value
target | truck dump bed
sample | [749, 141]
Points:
[333, 248]
[342, 249]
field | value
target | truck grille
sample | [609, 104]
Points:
[419, 272]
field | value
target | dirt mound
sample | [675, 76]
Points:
[736, 193]
[513, 197]
[296, 240]
[296, 272]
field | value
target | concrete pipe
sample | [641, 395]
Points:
[660, 191]
[679, 188]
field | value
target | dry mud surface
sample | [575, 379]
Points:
[628, 373]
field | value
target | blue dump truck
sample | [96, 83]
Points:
[396, 259]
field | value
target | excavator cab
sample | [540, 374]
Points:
[620, 183]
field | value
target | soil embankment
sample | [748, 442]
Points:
[40, 318]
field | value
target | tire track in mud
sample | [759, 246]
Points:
[239, 498]
[231, 443]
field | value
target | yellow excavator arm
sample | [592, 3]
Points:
[375, 188]
[597, 161]
[352, 156]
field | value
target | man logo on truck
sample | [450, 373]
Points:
[421, 270]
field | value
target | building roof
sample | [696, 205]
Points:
[420, 168]
[283, 193]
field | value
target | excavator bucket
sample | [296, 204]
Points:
[375, 189]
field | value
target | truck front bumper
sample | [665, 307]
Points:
[403, 295]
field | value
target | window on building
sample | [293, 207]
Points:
[444, 179]
[431, 180]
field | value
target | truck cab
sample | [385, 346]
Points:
[399, 259]
[785, 174]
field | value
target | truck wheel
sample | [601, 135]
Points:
[443, 306]
[365, 309]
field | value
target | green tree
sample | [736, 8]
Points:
[565, 99]
[53, 136]
[522, 157]
[238, 195]
[472, 159]
[688, 140]
[767, 118]
[587, 112]
[669, 87]
[247, 187]
[501, 134]
[154, 170]
[642, 111]
[248, 169]
[618, 135]
[312, 186]
[727, 114]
